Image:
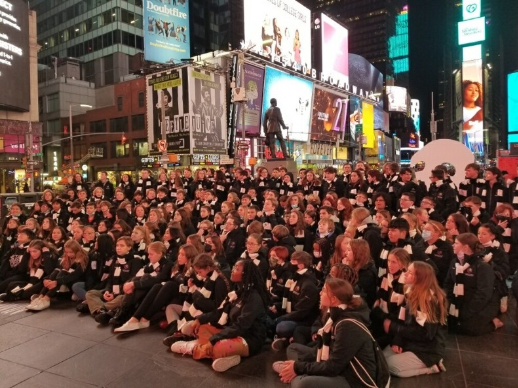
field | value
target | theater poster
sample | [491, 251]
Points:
[207, 98]
[254, 82]
[329, 115]
[171, 90]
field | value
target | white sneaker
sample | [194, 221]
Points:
[184, 347]
[225, 363]
[42, 305]
[279, 344]
[144, 325]
[33, 297]
[33, 305]
[277, 366]
[128, 326]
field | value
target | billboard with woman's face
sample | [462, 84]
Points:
[472, 105]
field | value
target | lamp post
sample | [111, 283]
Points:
[70, 128]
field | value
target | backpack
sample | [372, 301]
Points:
[382, 379]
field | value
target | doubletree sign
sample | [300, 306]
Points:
[470, 9]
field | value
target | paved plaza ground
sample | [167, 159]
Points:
[58, 348]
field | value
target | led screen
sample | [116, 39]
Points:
[512, 102]
[335, 50]
[279, 30]
[472, 105]
[166, 31]
[397, 99]
[294, 96]
[329, 115]
[472, 31]
[14, 55]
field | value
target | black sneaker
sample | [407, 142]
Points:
[103, 317]
[168, 341]
[83, 308]
[279, 344]
[4, 297]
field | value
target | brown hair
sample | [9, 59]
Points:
[402, 255]
[361, 253]
[343, 291]
[80, 255]
[425, 295]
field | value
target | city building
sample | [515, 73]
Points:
[20, 129]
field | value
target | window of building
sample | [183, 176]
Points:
[141, 99]
[119, 124]
[119, 150]
[119, 103]
[140, 147]
[54, 128]
[52, 102]
[98, 126]
[138, 122]
[104, 148]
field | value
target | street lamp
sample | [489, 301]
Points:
[70, 128]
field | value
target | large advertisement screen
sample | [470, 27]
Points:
[512, 101]
[166, 31]
[329, 115]
[397, 99]
[470, 9]
[335, 50]
[14, 55]
[472, 31]
[364, 79]
[294, 96]
[279, 30]
[355, 117]
[171, 91]
[254, 82]
[207, 92]
[473, 104]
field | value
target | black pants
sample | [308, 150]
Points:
[4, 285]
[158, 297]
[24, 294]
[271, 138]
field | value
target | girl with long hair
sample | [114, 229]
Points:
[358, 256]
[141, 240]
[303, 237]
[456, 224]
[71, 269]
[417, 345]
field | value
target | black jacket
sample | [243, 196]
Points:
[349, 342]
[304, 301]
[234, 246]
[247, 319]
[107, 188]
[441, 255]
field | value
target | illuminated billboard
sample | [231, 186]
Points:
[368, 125]
[279, 30]
[14, 55]
[171, 91]
[254, 82]
[166, 31]
[473, 104]
[472, 31]
[335, 50]
[397, 99]
[512, 102]
[364, 79]
[294, 96]
[329, 115]
[470, 9]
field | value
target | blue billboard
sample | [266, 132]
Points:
[294, 96]
[512, 105]
[166, 31]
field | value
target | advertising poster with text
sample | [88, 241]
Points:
[328, 119]
[279, 30]
[254, 82]
[166, 31]
[171, 91]
[208, 104]
[472, 105]
[294, 96]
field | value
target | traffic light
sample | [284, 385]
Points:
[123, 139]
[24, 162]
